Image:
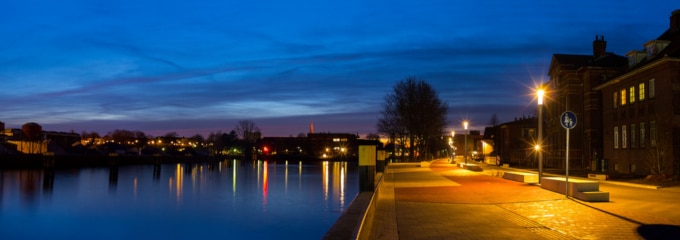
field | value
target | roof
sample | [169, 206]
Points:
[672, 50]
[577, 60]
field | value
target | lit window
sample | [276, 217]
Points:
[616, 137]
[624, 139]
[641, 91]
[642, 134]
[651, 88]
[623, 97]
[631, 91]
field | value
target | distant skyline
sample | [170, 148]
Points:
[201, 66]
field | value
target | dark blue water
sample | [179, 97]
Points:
[229, 200]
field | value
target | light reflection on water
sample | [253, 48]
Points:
[229, 199]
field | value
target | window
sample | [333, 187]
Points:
[616, 100]
[624, 139]
[641, 92]
[616, 137]
[651, 50]
[631, 91]
[652, 133]
[633, 143]
[642, 134]
[623, 97]
[651, 88]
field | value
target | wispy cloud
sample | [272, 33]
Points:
[196, 65]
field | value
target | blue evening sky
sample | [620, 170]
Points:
[200, 66]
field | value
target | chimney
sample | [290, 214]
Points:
[599, 47]
[675, 20]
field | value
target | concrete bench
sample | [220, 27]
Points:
[597, 176]
[469, 166]
[593, 196]
[496, 173]
[521, 177]
[585, 190]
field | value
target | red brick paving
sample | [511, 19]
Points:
[477, 188]
[487, 207]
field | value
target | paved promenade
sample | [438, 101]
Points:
[442, 201]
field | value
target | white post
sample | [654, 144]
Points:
[566, 193]
[465, 124]
[539, 95]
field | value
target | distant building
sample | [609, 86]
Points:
[475, 145]
[290, 146]
[31, 139]
[333, 145]
[515, 142]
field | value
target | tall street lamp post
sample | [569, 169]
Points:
[540, 94]
[465, 125]
[453, 146]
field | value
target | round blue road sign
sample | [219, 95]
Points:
[568, 119]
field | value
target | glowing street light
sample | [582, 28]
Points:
[540, 93]
[465, 125]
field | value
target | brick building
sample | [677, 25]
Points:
[516, 140]
[641, 108]
[572, 79]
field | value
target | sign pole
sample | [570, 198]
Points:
[566, 191]
[568, 121]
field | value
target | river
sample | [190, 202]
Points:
[225, 200]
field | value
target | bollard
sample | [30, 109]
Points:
[380, 165]
[367, 156]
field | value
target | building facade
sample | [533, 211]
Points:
[570, 88]
[641, 113]
[515, 142]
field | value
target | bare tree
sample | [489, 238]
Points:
[247, 131]
[657, 154]
[391, 124]
[249, 134]
[171, 135]
[91, 137]
[414, 112]
[214, 144]
[373, 136]
[122, 136]
[493, 122]
[197, 138]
